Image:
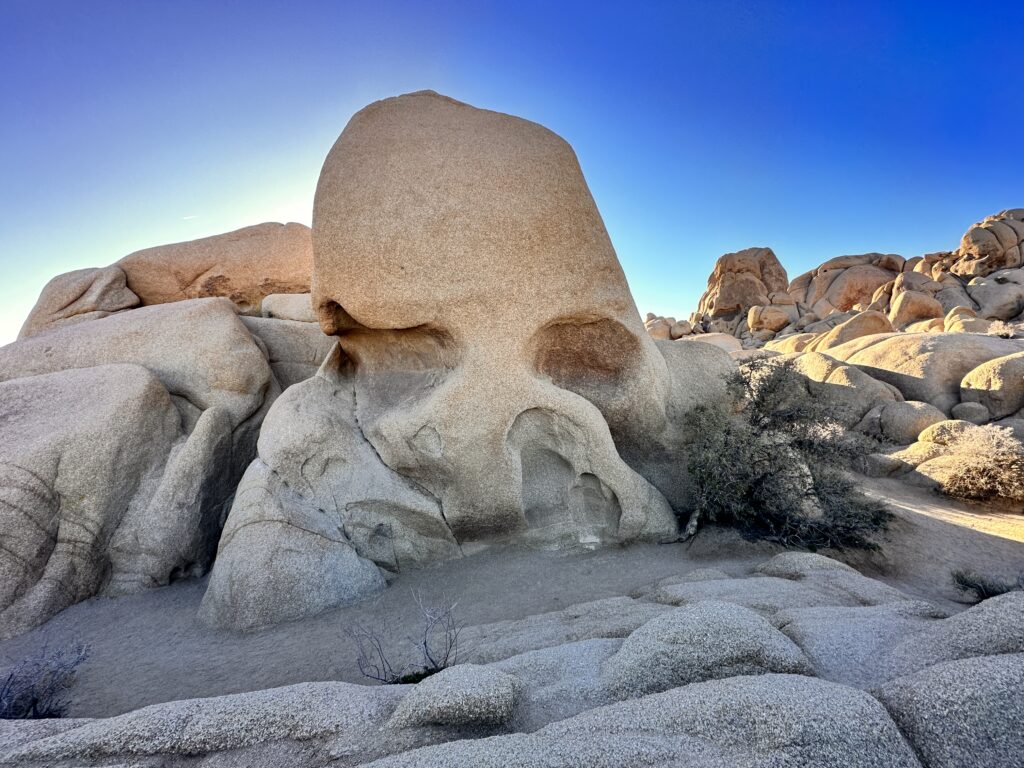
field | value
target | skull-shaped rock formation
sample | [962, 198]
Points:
[493, 379]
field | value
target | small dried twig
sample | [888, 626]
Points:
[437, 644]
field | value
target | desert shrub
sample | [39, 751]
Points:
[980, 587]
[990, 466]
[771, 465]
[37, 686]
[436, 644]
[1002, 329]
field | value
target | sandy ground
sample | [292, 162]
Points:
[149, 647]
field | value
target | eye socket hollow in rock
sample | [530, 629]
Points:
[589, 356]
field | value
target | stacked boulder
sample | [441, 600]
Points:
[978, 288]
[130, 406]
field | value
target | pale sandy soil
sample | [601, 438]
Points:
[149, 647]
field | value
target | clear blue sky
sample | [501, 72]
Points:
[817, 128]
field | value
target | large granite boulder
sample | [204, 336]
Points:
[492, 379]
[85, 294]
[122, 440]
[927, 367]
[740, 281]
[702, 641]
[245, 266]
[962, 713]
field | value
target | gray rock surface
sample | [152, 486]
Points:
[295, 349]
[106, 494]
[463, 695]
[613, 617]
[754, 722]
[992, 627]
[845, 643]
[962, 713]
[763, 594]
[702, 641]
[288, 306]
[201, 726]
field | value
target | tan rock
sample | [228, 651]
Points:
[991, 245]
[999, 295]
[491, 364]
[770, 318]
[925, 367]
[680, 329]
[901, 423]
[857, 284]
[85, 294]
[740, 281]
[912, 306]
[945, 432]
[245, 266]
[725, 341]
[862, 324]
[996, 384]
[975, 413]
[289, 306]
[199, 349]
[935, 325]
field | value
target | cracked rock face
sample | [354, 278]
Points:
[493, 379]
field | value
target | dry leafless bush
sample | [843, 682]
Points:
[1001, 329]
[37, 686]
[437, 644]
[991, 466]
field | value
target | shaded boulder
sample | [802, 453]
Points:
[961, 713]
[463, 695]
[997, 384]
[104, 495]
[702, 641]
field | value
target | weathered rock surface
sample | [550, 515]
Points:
[494, 382]
[124, 489]
[85, 294]
[614, 617]
[992, 627]
[753, 721]
[992, 244]
[925, 367]
[962, 713]
[740, 281]
[702, 641]
[997, 384]
[295, 350]
[462, 695]
[245, 266]
[199, 350]
[289, 306]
